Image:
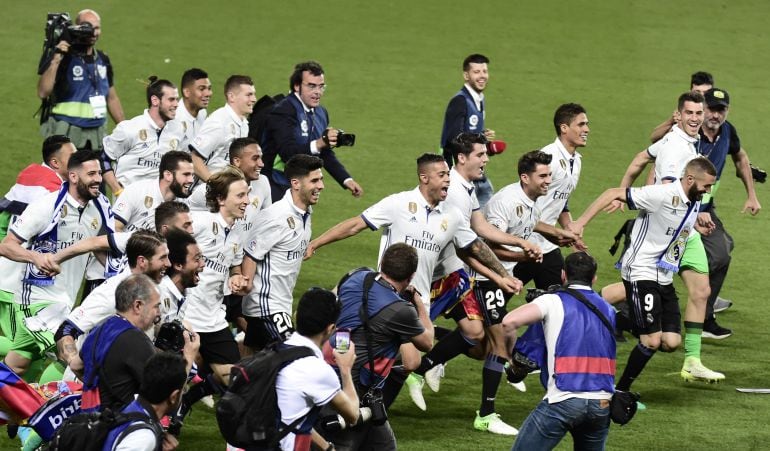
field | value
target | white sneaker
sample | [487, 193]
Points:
[721, 304]
[693, 370]
[518, 386]
[208, 401]
[492, 423]
[415, 382]
[433, 377]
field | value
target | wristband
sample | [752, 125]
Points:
[118, 192]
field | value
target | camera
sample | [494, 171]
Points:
[534, 293]
[171, 336]
[343, 139]
[59, 27]
[758, 175]
[336, 423]
[520, 366]
[372, 399]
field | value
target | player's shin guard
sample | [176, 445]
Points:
[490, 380]
[637, 360]
[445, 350]
[692, 339]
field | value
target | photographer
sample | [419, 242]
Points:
[298, 124]
[396, 317]
[580, 372]
[115, 352]
[76, 85]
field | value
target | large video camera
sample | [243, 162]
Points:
[59, 27]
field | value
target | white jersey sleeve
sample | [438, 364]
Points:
[34, 220]
[649, 197]
[119, 142]
[380, 214]
[209, 138]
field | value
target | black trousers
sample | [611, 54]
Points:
[719, 244]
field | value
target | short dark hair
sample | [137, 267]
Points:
[580, 268]
[166, 211]
[700, 164]
[177, 241]
[463, 143]
[136, 286]
[399, 262]
[219, 183]
[565, 114]
[476, 58]
[143, 243]
[701, 78]
[164, 373]
[317, 309]
[307, 66]
[170, 161]
[81, 156]
[155, 88]
[237, 146]
[190, 76]
[234, 81]
[426, 159]
[53, 144]
[690, 96]
[301, 165]
[529, 161]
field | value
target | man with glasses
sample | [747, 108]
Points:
[298, 124]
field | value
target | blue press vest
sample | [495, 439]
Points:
[585, 365]
[717, 151]
[133, 406]
[83, 81]
[93, 354]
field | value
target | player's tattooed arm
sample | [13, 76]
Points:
[481, 251]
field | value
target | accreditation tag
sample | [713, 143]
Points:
[99, 105]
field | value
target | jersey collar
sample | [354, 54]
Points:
[679, 132]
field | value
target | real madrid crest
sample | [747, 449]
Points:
[563, 164]
[290, 221]
[94, 223]
[675, 201]
[147, 201]
[520, 210]
[184, 127]
[444, 224]
[412, 207]
[64, 210]
[167, 303]
[173, 144]
[235, 248]
[232, 129]
[255, 202]
[143, 135]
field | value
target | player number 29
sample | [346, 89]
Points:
[494, 299]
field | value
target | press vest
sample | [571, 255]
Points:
[112, 437]
[474, 118]
[83, 80]
[95, 348]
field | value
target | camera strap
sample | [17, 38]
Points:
[364, 313]
[579, 296]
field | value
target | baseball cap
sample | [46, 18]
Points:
[717, 97]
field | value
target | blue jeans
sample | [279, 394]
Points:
[585, 419]
[484, 190]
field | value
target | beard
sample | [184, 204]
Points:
[694, 195]
[188, 279]
[179, 190]
[84, 192]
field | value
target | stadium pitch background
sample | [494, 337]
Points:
[391, 68]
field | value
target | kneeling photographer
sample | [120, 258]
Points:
[383, 315]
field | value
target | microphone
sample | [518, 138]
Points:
[496, 147]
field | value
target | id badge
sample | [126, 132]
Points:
[99, 105]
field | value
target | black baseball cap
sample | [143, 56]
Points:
[717, 97]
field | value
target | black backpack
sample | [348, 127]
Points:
[259, 114]
[248, 413]
[88, 431]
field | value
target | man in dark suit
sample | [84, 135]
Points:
[298, 124]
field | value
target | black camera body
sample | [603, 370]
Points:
[171, 337]
[345, 139]
[59, 27]
[373, 400]
[520, 366]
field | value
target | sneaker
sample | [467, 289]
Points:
[415, 382]
[177, 420]
[713, 330]
[693, 370]
[518, 386]
[492, 423]
[433, 377]
[722, 304]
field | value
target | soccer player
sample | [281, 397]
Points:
[191, 112]
[135, 207]
[209, 148]
[220, 241]
[571, 124]
[274, 253]
[671, 154]
[138, 144]
[40, 301]
[187, 263]
[667, 217]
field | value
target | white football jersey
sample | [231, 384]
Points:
[213, 140]
[672, 153]
[190, 125]
[135, 207]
